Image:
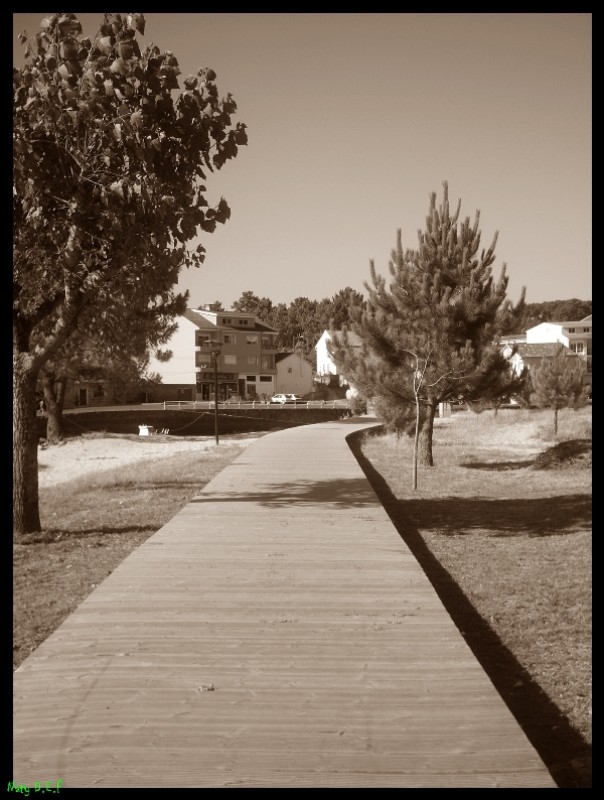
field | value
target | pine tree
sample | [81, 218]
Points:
[558, 383]
[440, 316]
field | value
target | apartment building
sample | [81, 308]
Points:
[236, 348]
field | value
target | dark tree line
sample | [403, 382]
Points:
[550, 311]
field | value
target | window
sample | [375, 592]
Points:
[230, 338]
[572, 330]
[252, 360]
[268, 362]
[98, 390]
[576, 347]
[250, 378]
[586, 330]
[251, 339]
[230, 359]
[243, 321]
[290, 370]
[266, 379]
[268, 341]
[203, 339]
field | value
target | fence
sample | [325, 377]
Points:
[255, 404]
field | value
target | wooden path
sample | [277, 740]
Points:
[276, 632]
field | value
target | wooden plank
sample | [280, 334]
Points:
[276, 632]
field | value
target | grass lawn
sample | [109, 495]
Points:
[501, 525]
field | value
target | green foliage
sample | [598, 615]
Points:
[438, 318]
[551, 311]
[342, 305]
[108, 166]
[398, 417]
[558, 382]
[110, 160]
[251, 303]
[358, 405]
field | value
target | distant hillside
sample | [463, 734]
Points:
[551, 311]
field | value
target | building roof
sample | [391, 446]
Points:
[513, 337]
[280, 356]
[353, 339]
[569, 323]
[199, 318]
[542, 350]
[195, 317]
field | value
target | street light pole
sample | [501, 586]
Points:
[215, 354]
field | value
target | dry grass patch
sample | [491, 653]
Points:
[90, 524]
[502, 526]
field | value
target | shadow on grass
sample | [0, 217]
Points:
[59, 536]
[563, 750]
[497, 465]
[538, 516]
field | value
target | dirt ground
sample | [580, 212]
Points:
[80, 455]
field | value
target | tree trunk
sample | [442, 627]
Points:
[416, 440]
[555, 420]
[54, 407]
[26, 514]
[425, 437]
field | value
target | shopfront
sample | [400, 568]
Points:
[228, 385]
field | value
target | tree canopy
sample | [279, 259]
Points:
[438, 318]
[110, 162]
[558, 383]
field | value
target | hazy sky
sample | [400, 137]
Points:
[354, 119]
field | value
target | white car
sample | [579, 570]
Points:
[286, 398]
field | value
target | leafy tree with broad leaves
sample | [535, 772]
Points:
[558, 383]
[110, 342]
[110, 159]
[430, 334]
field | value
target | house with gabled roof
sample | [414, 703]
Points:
[328, 370]
[294, 374]
[542, 340]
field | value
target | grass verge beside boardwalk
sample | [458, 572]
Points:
[502, 527]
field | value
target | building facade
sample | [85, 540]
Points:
[234, 349]
[541, 342]
[294, 374]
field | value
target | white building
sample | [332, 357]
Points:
[245, 360]
[326, 364]
[294, 374]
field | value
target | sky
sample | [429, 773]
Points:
[355, 119]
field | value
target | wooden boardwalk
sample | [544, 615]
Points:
[276, 632]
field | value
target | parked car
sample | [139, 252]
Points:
[286, 398]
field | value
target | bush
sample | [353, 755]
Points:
[358, 405]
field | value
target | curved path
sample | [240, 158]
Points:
[277, 632]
